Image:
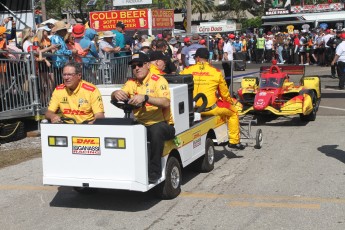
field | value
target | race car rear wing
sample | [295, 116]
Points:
[290, 70]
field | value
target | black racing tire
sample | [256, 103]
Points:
[206, 162]
[258, 139]
[311, 116]
[171, 187]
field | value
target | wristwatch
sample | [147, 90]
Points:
[146, 98]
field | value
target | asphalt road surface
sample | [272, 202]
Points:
[295, 181]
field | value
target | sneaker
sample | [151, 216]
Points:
[306, 64]
[248, 61]
[301, 64]
[238, 146]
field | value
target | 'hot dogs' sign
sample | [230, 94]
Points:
[216, 28]
[106, 20]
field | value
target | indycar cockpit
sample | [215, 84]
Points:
[271, 82]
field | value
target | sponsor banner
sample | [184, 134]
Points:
[277, 11]
[318, 8]
[106, 20]
[215, 28]
[163, 18]
[131, 2]
[86, 145]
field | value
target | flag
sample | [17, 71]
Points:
[288, 5]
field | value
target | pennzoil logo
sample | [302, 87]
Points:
[74, 112]
[197, 134]
[86, 145]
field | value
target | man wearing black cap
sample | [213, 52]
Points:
[151, 91]
[158, 61]
[119, 40]
[210, 81]
[333, 43]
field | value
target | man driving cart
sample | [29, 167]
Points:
[152, 92]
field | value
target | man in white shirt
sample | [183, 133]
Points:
[228, 48]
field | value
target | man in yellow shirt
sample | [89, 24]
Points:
[158, 61]
[75, 98]
[151, 91]
[210, 81]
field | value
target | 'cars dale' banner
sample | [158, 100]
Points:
[163, 18]
[106, 20]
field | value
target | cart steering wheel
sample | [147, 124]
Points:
[127, 108]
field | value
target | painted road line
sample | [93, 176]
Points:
[332, 89]
[273, 205]
[262, 197]
[334, 108]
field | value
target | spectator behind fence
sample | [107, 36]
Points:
[74, 95]
[119, 39]
[87, 41]
[71, 44]
[107, 47]
[170, 67]
[11, 35]
[60, 31]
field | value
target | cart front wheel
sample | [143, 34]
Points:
[171, 187]
[259, 139]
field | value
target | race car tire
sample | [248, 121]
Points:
[258, 139]
[206, 162]
[171, 187]
[311, 116]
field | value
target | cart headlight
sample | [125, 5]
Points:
[57, 141]
[115, 143]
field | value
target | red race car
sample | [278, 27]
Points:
[275, 94]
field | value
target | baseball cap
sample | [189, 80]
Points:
[231, 36]
[186, 39]
[120, 24]
[202, 42]
[46, 28]
[202, 53]
[342, 35]
[173, 41]
[157, 55]
[139, 57]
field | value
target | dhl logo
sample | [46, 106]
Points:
[74, 112]
[201, 74]
[85, 141]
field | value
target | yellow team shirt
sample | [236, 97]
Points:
[208, 80]
[155, 86]
[81, 104]
[154, 69]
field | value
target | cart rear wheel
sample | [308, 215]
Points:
[171, 187]
[259, 139]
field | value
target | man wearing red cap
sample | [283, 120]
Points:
[340, 60]
[187, 43]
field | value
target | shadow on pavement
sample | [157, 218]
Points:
[332, 151]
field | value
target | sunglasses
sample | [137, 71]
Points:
[141, 64]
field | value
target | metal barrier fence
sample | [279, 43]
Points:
[26, 85]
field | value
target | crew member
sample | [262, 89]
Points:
[210, 81]
[151, 91]
[75, 98]
[157, 60]
[340, 60]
